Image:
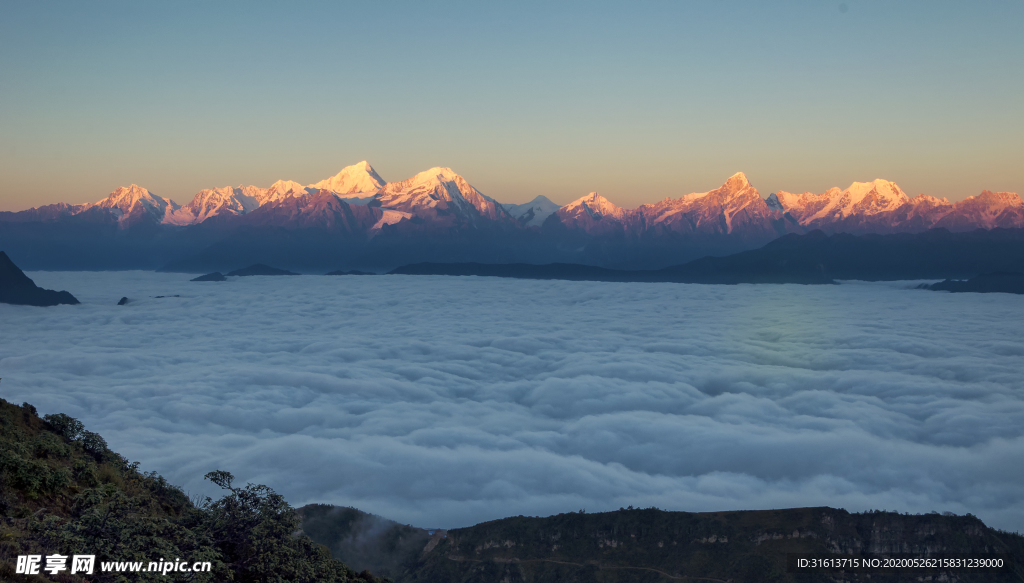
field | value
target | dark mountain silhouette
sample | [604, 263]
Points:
[568, 271]
[998, 282]
[695, 272]
[651, 545]
[745, 546]
[18, 288]
[260, 269]
[934, 254]
[813, 258]
[215, 276]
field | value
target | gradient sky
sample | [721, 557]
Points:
[637, 100]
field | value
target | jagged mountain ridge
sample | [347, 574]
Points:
[359, 221]
[734, 208]
[441, 199]
[881, 206]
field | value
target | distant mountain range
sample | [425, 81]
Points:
[357, 220]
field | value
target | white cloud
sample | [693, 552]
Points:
[450, 401]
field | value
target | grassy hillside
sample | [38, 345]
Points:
[62, 490]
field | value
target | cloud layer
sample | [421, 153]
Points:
[449, 401]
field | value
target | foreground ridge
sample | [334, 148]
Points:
[637, 544]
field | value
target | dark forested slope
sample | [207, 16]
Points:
[63, 491]
[750, 546]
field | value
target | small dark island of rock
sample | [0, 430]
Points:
[353, 272]
[18, 288]
[215, 276]
[260, 269]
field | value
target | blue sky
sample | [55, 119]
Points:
[636, 100]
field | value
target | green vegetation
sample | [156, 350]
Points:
[62, 490]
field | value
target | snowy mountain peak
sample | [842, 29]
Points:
[437, 174]
[924, 199]
[125, 199]
[210, 202]
[533, 213]
[125, 195]
[357, 178]
[1009, 199]
[737, 182]
[595, 205]
[542, 201]
[440, 189]
[444, 184]
[286, 185]
[889, 194]
[281, 190]
[132, 203]
[431, 180]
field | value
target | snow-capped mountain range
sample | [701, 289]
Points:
[734, 208]
[881, 206]
[357, 199]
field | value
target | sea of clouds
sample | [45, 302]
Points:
[443, 402]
